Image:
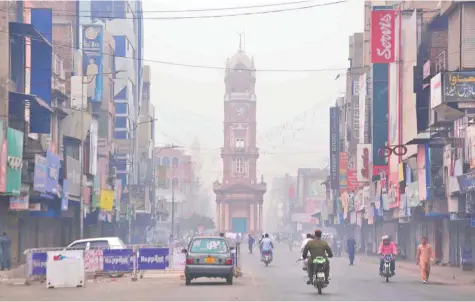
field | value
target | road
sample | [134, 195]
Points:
[283, 280]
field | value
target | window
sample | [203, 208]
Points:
[78, 246]
[120, 134]
[99, 244]
[239, 165]
[166, 162]
[175, 162]
[121, 122]
[239, 143]
[209, 246]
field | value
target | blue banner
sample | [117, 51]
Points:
[53, 163]
[38, 264]
[39, 178]
[65, 196]
[92, 39]
[118, 260]
[152, 258]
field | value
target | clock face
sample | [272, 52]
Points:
[241, 112]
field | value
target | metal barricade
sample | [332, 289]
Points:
[97, 263]
[154, 258]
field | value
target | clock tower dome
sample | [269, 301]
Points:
[239, 196]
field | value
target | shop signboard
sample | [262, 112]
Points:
[19, 202]
[383, 36]
[53, 164]
[39, 178]
[459, 86]
[74, 176]
[65, 196]
[92, 60]
[14, 161]
[107, 200]
[466, 182]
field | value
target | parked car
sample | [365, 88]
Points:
[209, 257]
[113, 243]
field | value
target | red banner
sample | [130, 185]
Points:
[383, 36]
[352, 180]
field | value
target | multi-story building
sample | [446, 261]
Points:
[174, 174]
[239, 197]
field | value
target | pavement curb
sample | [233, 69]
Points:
[415, 269]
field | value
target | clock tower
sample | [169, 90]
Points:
[239, 196]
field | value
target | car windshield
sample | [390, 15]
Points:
[209, 245]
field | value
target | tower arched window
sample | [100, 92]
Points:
[166, 162]
[239, 165]
[175, 163]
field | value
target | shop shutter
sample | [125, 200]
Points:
[454, 40]
[468, 35]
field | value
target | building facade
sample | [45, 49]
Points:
[239, 197]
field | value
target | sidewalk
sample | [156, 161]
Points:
[446, 274]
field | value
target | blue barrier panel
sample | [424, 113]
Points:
[38, 264]
[152, 258]
[118, 260]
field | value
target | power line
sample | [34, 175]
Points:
[210, 9]
[209, 16]
[184, 64]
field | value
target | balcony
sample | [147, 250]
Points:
[58, 76]
[237, 151]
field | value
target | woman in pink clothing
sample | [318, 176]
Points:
[387, 247]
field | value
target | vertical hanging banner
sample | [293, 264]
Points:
[343, 168]
[14, 161]
[363, 157]
[334, 147]
[383, 36]
[3, 159]
[92, 39]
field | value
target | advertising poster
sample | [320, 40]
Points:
[343, 168]
[92, 39]
[39, 178]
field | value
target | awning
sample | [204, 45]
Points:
[26, 30]
[17, 97]
[40, 111]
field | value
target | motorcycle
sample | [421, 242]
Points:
[387, 273]
[319, 274]
[266, 257]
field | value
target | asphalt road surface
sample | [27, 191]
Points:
[283, 280]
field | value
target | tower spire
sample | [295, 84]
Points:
[240, 41]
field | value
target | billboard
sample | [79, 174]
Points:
[334, 147]
[343, 168]
[383, 36]
[362, 107]
[380, 117]
[92, 39]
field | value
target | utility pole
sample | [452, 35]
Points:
[84, 107]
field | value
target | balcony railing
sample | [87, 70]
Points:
[58, 76]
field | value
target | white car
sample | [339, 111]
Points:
[113, 243]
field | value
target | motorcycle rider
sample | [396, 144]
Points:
[317, 248]
[387, 247]
[266, 246]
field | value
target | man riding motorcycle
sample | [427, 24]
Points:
[317, 248]
[266, 246]
[387, 247]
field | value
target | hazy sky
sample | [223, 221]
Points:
[189, 101]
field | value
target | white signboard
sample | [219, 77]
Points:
[436, 91]
[78, 96]
[93, 147]
[362, 106]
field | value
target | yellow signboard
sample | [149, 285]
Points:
[107, 200]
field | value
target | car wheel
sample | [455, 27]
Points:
[187, 281]
[229, 280]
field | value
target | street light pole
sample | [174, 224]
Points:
[81, 148]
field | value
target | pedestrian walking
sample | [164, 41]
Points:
[351, 249]
[425, 255]
[250, 242]
[5, 247]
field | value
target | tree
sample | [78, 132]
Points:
[195, 221]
